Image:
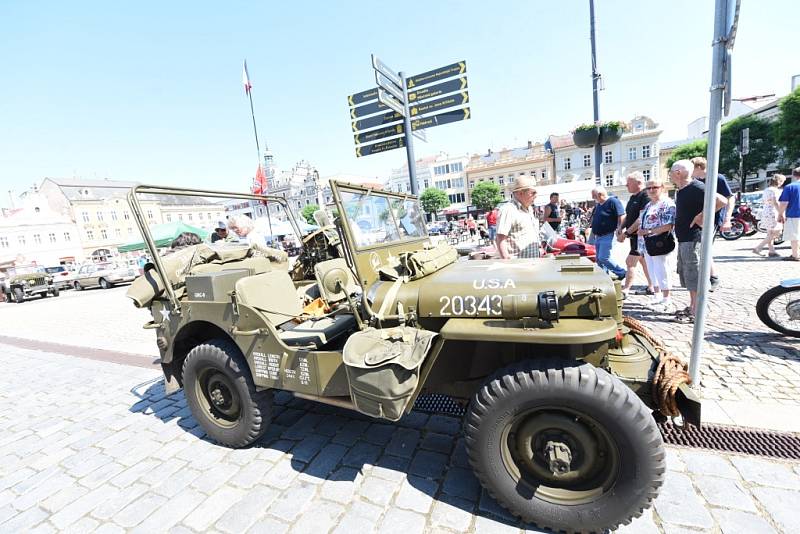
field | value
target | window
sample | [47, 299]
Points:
[189, 216]
[85, 216]
[471, 185]
[67, 237]
[457, 183]
[51, 237]
[99, 215]
[180, 216]
[126, 215]
[103, 234]
[425, 183]
[89, 235]
[113, 215]
[37, 238]
[209, 216]
[456, 198]
[3, 242]
[587, 160]
[567, 164]
[149, 214]
[169, 217]
[646, 174]
[632, 153]
[609, 179]
[501, 180]
[607, 157]
[646, 151]
[21, 240]
[543, 174]
[596, 180]
[117, 232]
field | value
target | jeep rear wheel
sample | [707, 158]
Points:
[565, 447]
[222, 396]
[19, 295]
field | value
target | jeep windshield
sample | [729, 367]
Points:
[377, 220]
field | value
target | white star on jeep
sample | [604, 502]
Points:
[164, 314]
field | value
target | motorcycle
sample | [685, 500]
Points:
[743, 222]
[779, 307]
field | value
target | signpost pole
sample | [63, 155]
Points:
[595, 79]
[412, 168]
[714, 119]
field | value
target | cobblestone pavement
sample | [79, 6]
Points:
[92, 446]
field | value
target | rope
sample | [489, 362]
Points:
[671, 372]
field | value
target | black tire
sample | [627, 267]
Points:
[525, 406]
[736, 231]
[19, 295]
[218, 370]
[56, 292]
[769, 296]
[105, 284]
[78, 286]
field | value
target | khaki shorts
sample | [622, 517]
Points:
[689, 264]
[791, 229]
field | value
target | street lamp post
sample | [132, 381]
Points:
[595, 89]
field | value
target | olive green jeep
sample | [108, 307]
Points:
[24, 282]
[560, 390]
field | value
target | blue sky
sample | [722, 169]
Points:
[151, 91]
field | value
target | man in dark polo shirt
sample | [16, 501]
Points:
[638, 200]
[607, 220]
[689, 200]
[723, 218]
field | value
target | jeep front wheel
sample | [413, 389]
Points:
[222, 396]
[569, 448]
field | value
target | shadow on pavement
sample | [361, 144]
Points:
[756, 345]
[336, 444]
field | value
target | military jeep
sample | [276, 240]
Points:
[26, 281]
[560, 390]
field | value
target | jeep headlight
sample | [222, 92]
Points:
[29, 282]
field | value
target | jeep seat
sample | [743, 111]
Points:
[318, 331]
[272, 293]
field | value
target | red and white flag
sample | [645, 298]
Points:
[246, 79]
[260, 182]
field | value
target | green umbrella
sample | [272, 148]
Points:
[163, 235]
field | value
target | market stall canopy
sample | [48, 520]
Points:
[164, 235]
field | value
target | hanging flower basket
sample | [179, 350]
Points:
[586, 136]
[610, 133]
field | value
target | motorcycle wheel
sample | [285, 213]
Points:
[736, 231]
[779, 309]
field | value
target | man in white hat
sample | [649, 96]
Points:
[517, 225]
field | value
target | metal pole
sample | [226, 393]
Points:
[595, 77]
[412, 167]
[742, 178]
[712, 169]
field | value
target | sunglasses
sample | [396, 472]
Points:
[653, 187]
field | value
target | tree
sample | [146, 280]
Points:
[308, 213]
[787, 128]
[688, 151]
[433, 200]
[486, 195]
[763, 150]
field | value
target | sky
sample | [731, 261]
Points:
[151, 91]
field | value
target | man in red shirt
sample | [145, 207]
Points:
[491, 222]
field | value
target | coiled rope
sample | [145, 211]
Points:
[671, 372]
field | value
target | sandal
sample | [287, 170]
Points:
[684, 316]
[757, 252]
[774, 255]
[791, 258]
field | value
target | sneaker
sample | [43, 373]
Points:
[666, 306]
[655, 300]
[645, 291]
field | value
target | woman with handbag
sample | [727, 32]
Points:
[656, 239]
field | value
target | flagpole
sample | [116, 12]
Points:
[249, 91]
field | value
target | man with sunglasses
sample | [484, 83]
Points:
[517, 225]
[220, 232]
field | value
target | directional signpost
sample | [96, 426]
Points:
[388, 116]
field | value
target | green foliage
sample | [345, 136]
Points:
[585, 127]
[688, 151]
[787, 128]
[308, 213]
[433, 200]
[486, 195]
[763, 150]
[613, 125]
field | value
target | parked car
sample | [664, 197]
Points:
[26, 281]
[62, 277]
[105, 275]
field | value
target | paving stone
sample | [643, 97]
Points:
[402, 522]
[361, 454]
[325, 462]
[269, 525]
[390, 468]
[281, 475]
[766, 473]
[415, 419]
[78, 508]
[251, 474]
[377, 490]
[781, 505]
[118, 499]
[24, 521]
[488, 525]
[350, 432]
[428, 464]
[434, 441]
[212, 508]
[736, 522]
[177, 482]
[680, 505]
[172, 512]
[109, 528]
[138, 510]
[63, 497]
[322, 517]
[416, 494]
[459, 456]
[452, 513]
[308, 448]
[293, 502]
[210, 481]
[444, 424]
[247, 511]
[707, 463]
[379, 433]
[725, 492]
[461, 483]
[342, 485]
[303, 427]
[41, 492]
[131, 474]
[674, 459]
[403, 442]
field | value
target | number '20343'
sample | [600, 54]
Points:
[471, 305]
